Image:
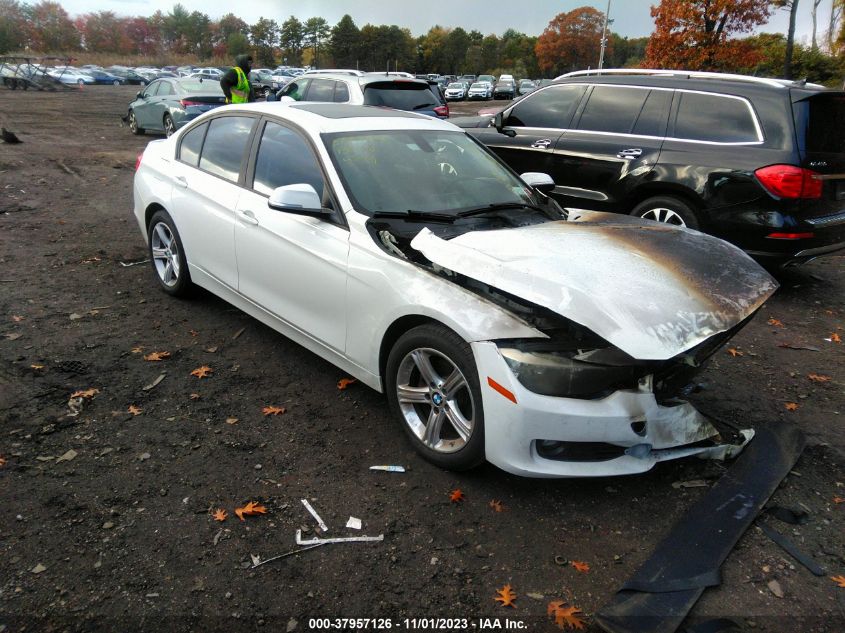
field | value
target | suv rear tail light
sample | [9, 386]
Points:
[789, 181]
[442, 110]
[790, 236]
[138, 161]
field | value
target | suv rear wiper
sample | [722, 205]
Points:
[498, 206]
[413, 214]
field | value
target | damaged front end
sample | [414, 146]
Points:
[632, 312]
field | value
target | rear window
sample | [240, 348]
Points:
[197, 86]
[400, 96]
[715, 118]
[824, 129]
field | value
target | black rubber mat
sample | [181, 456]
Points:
[662, 592]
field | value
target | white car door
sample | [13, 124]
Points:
[206, 189]
[292, 265]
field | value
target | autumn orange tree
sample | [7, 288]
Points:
[571, 41]
[697, 34]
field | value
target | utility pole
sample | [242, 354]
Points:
[604, 37]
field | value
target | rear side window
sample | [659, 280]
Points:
[655, 112]
[284, 158]
[189, 148]
[715, 118]
[341, 92]
[550, 108]
[223, 150]
[613, 109]
[321, 90]
[825, 131]
[400, 96]
[166, 89]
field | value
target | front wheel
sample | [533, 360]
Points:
[169, 126]
[669, 210]
[168, 256]
[133, 125]
[116, 82]
[433, 390]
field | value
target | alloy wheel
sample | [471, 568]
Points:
[662, 214]
[435, 400]
[169, 126]
[165, 252]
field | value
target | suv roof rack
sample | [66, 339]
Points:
[689, 74]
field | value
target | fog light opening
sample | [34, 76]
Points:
[638, 427]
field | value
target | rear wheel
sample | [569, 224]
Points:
[669, 210]
[433, 390]
[169, 126]
[133, 125]
[116, 82]
[167, 255]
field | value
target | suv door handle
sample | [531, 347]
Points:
[247, 216]
[543, 143]
[629, 154]
[180, 181]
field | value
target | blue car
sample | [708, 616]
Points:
[102, 77]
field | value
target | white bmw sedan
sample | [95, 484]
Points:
[401, 250]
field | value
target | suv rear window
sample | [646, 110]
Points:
[402, 96]
[825, 132]
[715, 118]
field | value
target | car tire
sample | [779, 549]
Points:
[167, 256]
[442, 413]
[267, 92]
[669, 210]
[133, 124]
[116, 82]
[169, 126]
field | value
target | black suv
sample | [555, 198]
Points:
[758, 162]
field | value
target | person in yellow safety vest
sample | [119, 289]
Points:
[235, 82]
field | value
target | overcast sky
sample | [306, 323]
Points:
[631, 17]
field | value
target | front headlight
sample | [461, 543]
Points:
[581, 374]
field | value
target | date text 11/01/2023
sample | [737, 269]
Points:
[416, 624]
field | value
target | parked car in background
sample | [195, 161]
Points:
[208, 73]
[759, 162]
[129, 76]
[395, 247]
[106, 78]
[526, 86]
[262, 82]
[378, 89]
[490, 79]
[456, 91]
[168, 104]
[505, 89]
[480, 90]
[468, 79]
[70, 76]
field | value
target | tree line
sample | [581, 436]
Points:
[693, 34]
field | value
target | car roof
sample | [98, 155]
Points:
[343, 117]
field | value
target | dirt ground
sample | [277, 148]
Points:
[105, 517]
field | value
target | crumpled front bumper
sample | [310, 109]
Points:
[639, 430]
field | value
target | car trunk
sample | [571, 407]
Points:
[821, 144]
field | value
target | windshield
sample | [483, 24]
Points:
[428, 171]
[207, 87]
[455, 86]
[478, 86]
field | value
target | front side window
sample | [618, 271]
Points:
[295, 89]
[225, 142]
[152, 89]
[285, 158]
[612, 109]
[427, 171]
[189, 148]
[715, 118]
[549, 108]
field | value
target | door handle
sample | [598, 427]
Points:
[543, 143]
[180, 181]
[247, 216]
[629, 154]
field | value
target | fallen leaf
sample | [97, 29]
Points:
[195, 396]
[202, 372]
[838, 500]
[231, 420]
[734, 352]
[791, 406]
[839, 580]
[580, 566]
[193, 332]
[37, 366]
[775, 588]
[497, 505]
[134, 410]
[156, 356]
[506, 596]
[137, 350]
[14, 336]
[87, 393]
[834, 338]
[68, 456]
[774, 322]
[818, 377]
[567, 617]
[211, 350]
[250, 509]
[38, 569]
[456, 496]
[554, 606]
[220, 514]
[2, 461]
[343, 383]
[17, 319]
[809, 348]
[271, 410]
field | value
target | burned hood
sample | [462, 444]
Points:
[652, 290]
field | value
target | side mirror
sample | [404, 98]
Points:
[539, 181]
[301, 199]
[140, 95]
[287, 99]
[499, 124]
